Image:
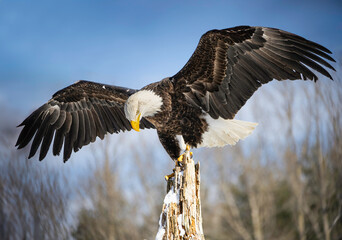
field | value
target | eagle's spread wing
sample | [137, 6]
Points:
[76, 115]
[229, 65]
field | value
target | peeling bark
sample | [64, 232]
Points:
[181, 217]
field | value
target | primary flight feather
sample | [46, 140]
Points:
[195, 107]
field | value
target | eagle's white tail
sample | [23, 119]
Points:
[222, 132]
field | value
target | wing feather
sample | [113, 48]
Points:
[73, 134]
[80, 137]
[46, 143]
[60, 133]
[87, 126]
[40, 133]
[74, 117]
[92, 124]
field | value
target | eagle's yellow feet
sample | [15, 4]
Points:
[187, 148]
[167, 177]
[181, 157]
[178, 162]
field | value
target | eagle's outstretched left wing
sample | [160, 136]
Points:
[76, 115]
[229, 65]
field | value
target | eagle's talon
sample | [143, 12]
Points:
[180, 159]
[187, 148]
[167, 177]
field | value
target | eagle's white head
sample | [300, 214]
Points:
[144, 103]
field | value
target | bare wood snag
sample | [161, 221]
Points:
[181, 216]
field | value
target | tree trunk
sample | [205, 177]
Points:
[181, 217]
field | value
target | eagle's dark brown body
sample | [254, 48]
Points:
[176, 118]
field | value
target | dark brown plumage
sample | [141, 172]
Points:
[227, 67]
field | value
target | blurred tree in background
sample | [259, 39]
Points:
[109, 214]
[34, 198]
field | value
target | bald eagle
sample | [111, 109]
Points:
[195, 107]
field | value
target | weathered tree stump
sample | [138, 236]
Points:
[181, 217]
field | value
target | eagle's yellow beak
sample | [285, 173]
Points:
[135, 124]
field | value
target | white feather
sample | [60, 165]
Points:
[222, 132]
[181, 142]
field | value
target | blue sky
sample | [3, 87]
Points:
[47, 45]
